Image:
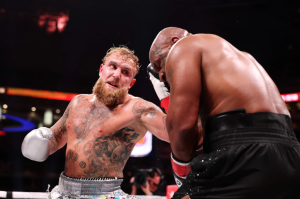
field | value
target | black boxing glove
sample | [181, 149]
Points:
[162, 89]
[180, 170]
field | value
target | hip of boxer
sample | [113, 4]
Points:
[247, 155]
[88, 188]
[238, 127]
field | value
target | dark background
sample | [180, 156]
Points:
[68, 61]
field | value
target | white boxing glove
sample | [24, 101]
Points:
[162, 89]
[36, 144]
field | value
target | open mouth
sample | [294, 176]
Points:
[112, 84]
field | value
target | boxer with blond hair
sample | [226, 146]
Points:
[100, 130]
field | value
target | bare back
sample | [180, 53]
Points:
[230, 79]
[234, 79]
[100, 140]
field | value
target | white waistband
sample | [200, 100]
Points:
[86, 186]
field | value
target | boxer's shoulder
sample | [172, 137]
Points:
[82, 98]
[187, 46]
[188, 42]
[200, 42]
[78, 103]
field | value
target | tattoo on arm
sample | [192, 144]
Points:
[151, 114]
[62, 129]
[54, 144]
[144, 108]
[139, 107]
[58, 131]
[83, 98]
[164, 121]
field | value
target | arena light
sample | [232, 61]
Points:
[143, 147]
[45, 94]
[53, 22]
[2, 133]
[291, 97]
[2, 90]
[48, 117]
[56, 95]
[26, 125]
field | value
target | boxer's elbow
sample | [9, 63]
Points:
[53, 145]
[57, 143]
[165, 137]
[182, 124]
[162, 135]
[185, 133]
[183, 142]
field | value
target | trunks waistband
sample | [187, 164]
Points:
[239, 127]
[88, 186]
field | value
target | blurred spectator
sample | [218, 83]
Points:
[146, 181]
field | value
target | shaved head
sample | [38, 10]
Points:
[163, 43]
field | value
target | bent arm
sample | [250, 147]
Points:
[184, 76]
[60, 136]
[155, 121]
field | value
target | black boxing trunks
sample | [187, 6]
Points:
[246, 155]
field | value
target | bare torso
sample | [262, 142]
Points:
[232, 79]
[99, 139]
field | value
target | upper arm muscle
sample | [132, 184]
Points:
[184, 75]
[154, 121]
[60, 128]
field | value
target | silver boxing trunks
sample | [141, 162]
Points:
[93, 188]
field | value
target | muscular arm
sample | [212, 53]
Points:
[60, 131]
[152, 118]
[184, 76]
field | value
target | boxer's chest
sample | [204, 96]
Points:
[92, 121]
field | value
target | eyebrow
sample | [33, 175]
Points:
[116, 63]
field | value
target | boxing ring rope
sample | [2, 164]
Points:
[18, 194]
[44, 195]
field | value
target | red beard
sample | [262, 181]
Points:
[109, 97]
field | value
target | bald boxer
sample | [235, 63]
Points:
[100, 131]
[250, 149]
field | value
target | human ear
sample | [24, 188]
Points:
[101, 69]
[132, 83]
[174, 40]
